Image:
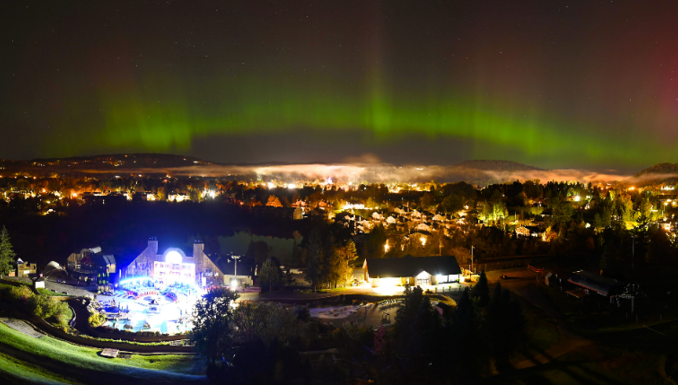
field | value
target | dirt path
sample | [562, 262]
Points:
[21, 326]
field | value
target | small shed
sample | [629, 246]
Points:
[443, 308]
[110, 353]
[604, 286]
[39, 283]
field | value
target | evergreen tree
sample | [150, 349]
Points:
[270, 273]
[350, 254]
[374, 242]
[505, 326]
[465, 332]
[481, 291]
[417, 332]
[330, 263]
[211, 333]
[7, 254]
[315, 258]
[295, 256]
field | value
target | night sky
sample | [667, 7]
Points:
[548, 83]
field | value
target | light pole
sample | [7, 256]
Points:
[234, 282]
[633, 252]
[471, 260]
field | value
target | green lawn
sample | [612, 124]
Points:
[51, 293]
[13, 371]
[541, 330]
[60, 361]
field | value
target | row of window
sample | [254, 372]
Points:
[174, 266]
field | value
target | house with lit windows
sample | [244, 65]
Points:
[90, 264]
[409, 270]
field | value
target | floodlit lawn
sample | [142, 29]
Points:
[84, 361]
[187, 364]
[6, 286]
[51, 293]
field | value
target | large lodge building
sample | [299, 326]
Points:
[163, 267]
[175, 265]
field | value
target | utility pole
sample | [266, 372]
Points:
[633, 252]
[471, 259]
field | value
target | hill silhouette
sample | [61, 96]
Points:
[659, 170]
[497, 165]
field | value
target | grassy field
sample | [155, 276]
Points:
[48, 360]
[618, 351]
[593, 365]
[13, 371]
[541, 330]
[51, 293]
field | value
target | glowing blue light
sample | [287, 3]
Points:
[135, 280]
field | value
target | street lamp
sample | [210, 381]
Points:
[472, 259]
[633, 252]
[234, 281]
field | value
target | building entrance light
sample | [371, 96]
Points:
[173, 257]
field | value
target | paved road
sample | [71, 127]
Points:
[70, 289]
[62, 287]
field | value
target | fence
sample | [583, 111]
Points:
[534, 269]
[508, 262]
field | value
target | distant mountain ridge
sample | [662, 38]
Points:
[497, 165]
[102, 163]
[659, 169]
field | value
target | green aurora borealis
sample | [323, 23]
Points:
[174, 122]
[557, 92]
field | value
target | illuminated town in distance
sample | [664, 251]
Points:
[338, 192]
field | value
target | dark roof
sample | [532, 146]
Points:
[601, 285]
[110, 259]
[410, 266]
[103, 260]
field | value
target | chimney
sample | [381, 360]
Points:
[198, 248]
[153, 245]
